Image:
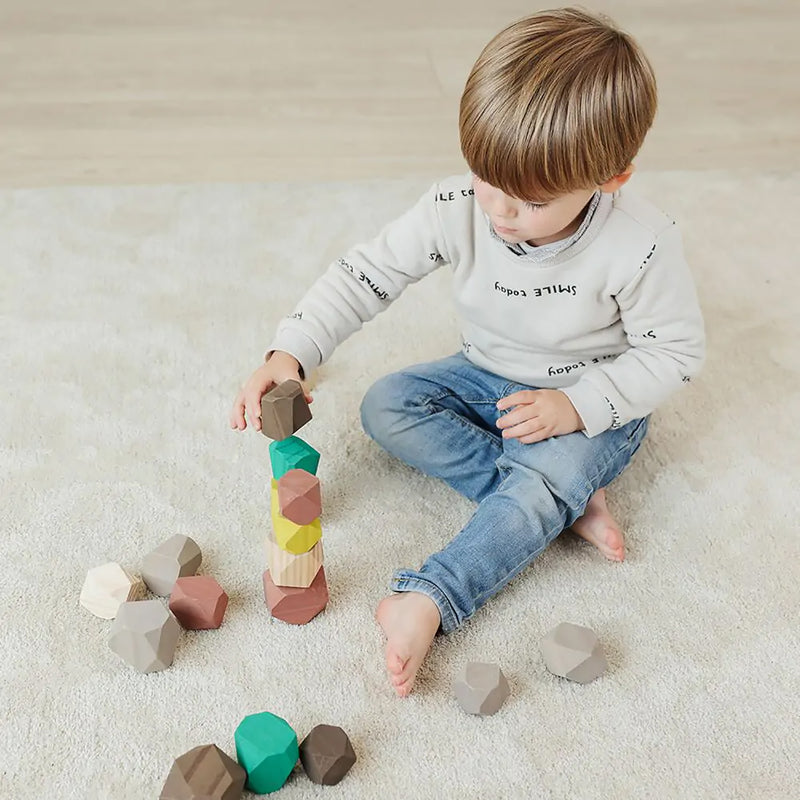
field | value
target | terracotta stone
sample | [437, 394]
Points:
[290, 536]
[204, 773]
[327, 755]
[198, 602]
[284, 410]
[299, 498]
[295, 605]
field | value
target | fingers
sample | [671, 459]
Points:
[525, 430]
[515, 399]
[237, 420]
[253, 406]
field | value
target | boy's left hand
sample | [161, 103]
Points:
[539, 414]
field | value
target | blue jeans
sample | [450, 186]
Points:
[440, 418]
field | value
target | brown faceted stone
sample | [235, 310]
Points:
[198, 602]
[327, 755]
[296, 605]
[204, 773]
[284, 410]
[299, 498]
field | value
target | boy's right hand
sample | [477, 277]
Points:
[280, 367]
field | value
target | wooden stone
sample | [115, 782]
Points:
[291, 537]
[299, 497]
[108, 586]
[292, 453]
[296, 606]
[287, 569]
[204, 773]
[284, 410]
[144, 634]
[177, 557]
[266, 746]
[198, 602]
[327, 754]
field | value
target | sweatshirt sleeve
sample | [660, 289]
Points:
[364, 282]
[664, 328]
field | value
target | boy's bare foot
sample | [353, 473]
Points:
[600, 528]
[410, 621]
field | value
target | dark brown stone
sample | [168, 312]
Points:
[326, 754]
[204, 773]
[284, 410]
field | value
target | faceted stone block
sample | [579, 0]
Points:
[144, 634]
[293, 605]
[287, 569]
[284, 410]
[292, 453]
[108, 586]
[299, 496]
[198, 602]
[574, 652]
[290, 536]
[327, 754]
[266, 747]
[204, 773]
[481, 688]
[177, 557]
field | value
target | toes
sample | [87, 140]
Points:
[394, 662]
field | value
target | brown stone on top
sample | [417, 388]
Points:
[296, 605]
[327, 755]
[284, 410]
[204, 773]
[198, 602]
[299, 497]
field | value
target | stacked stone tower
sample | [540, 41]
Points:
[295, 588]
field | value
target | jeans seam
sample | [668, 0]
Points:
[465, 423]
[449, 619]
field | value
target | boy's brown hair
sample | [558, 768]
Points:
[556, 102]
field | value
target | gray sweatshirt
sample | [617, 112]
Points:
[609, 316]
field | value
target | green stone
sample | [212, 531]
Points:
[266, 746]
[292, 453]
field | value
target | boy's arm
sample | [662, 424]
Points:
[664, 327]
[358, 286]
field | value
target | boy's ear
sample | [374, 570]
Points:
[618, 181]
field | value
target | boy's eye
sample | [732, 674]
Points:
[534, 206]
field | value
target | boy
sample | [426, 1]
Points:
[579, 317]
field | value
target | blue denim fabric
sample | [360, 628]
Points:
[440, 418]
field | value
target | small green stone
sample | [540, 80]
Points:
[292, 453]
[266, 746]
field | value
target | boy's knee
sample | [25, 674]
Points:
[381, 404]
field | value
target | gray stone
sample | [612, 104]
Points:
[145, 634]
[176, 558]
[572, 651]
[481, 688]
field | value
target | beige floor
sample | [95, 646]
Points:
[247, 90]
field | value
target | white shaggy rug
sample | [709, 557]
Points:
[129, 317]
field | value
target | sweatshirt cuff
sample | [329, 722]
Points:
[592, 407]
[299, 346]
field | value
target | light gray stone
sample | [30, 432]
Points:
[574, 652]
[481, 688]
[145, 634]
[176, 558]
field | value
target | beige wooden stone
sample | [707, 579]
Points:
[288, 569]
[108, 586]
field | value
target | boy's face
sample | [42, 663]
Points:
[520, 221]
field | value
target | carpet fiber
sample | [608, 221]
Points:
[129, 317]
